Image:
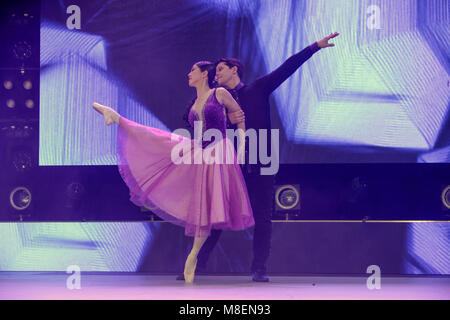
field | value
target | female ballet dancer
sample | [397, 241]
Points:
[196, 195]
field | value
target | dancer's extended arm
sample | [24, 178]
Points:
[274, 79]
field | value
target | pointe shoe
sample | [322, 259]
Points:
[111, 116]
[189, 269]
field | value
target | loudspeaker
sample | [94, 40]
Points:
[445, 197]
[19, 141]
[287, 200]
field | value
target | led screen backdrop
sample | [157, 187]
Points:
[409, 248]
[380, 95]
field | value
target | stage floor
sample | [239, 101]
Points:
[126, 286]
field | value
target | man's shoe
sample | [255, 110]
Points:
[260, 276]
[180, 277]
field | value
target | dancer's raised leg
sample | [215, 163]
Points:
[191, 261]
[111, 116]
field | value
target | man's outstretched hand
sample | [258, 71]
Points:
[323, 43]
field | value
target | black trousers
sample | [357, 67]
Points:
[260, 189]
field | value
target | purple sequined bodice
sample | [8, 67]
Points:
[213, 116]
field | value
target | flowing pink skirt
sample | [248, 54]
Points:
[199, 196]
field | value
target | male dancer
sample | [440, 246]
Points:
[254, 100]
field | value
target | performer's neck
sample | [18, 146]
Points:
[233, 83]
[202, 89]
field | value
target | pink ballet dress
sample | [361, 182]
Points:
[200, 193]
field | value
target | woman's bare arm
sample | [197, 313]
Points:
[225, 98]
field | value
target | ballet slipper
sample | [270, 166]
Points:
[111, 116]
[189, 268]
[191, 261]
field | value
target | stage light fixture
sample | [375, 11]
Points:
[75, 190]
[359, 183]
[29, 103]
[22, 161]
[19, 19]
[22, 50]
[18, 131]
[27, 85]
[445, 197]
[358, 190]
[8, 85]
[10, 103]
